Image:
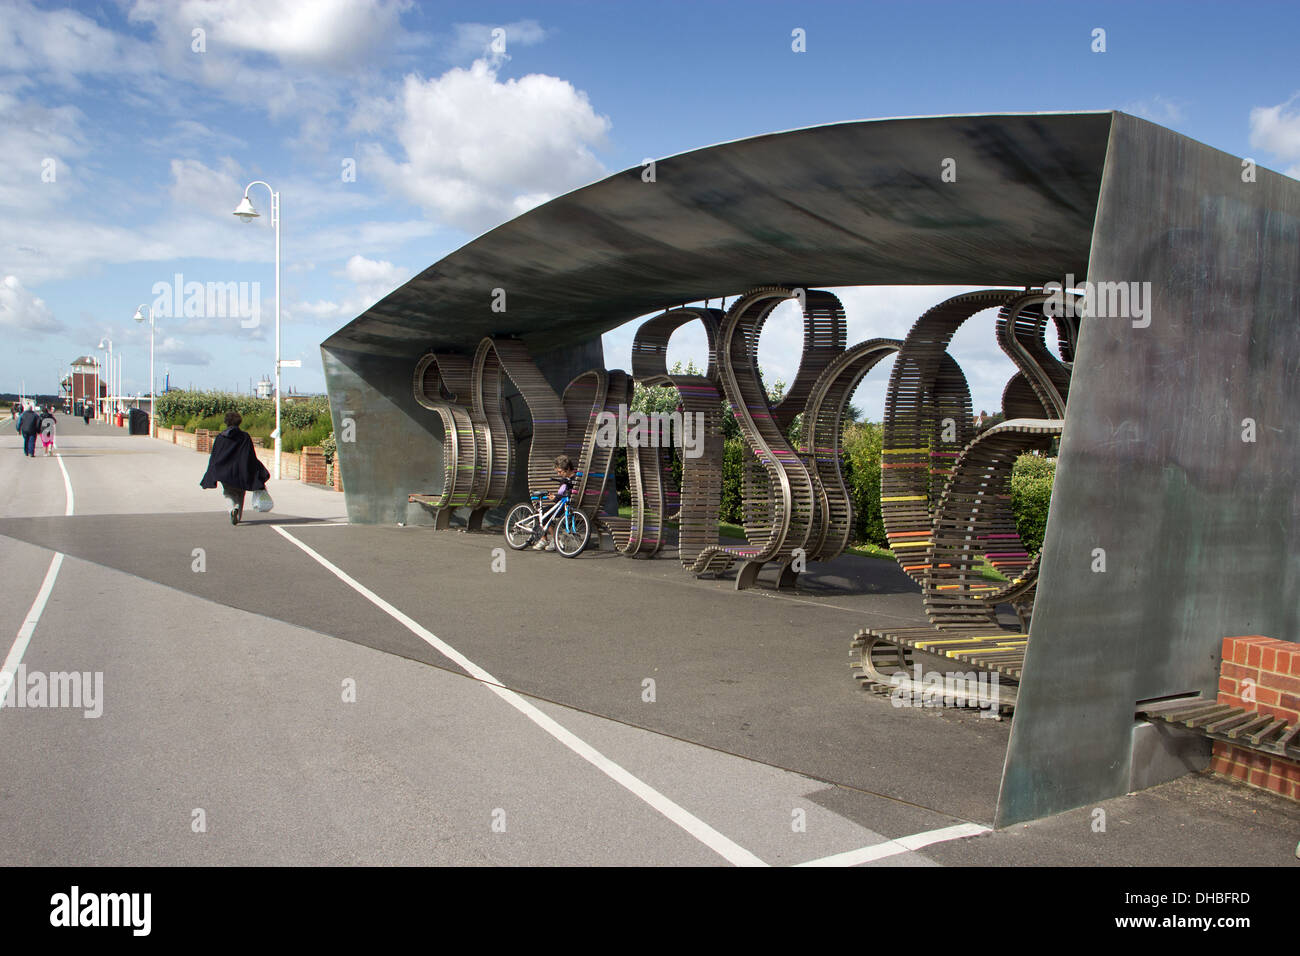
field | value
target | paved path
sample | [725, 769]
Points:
[499, 717]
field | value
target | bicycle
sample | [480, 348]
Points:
[528, 521]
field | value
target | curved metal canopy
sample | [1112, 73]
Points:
[860, 203]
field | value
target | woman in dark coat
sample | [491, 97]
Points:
[234, 463]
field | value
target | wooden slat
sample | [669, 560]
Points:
[1261, 736]
[1252, 724]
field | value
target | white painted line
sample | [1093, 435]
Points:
[25, 632]
[67, 486]
[902, 845]
[692, 824]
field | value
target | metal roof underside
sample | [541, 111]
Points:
[859, 203]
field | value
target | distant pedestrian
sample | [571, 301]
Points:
[85, 413]
[47, 430]
[29, 426]
[234, 463]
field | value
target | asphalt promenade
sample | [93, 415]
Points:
[299, 691]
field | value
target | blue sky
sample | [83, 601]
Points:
[152, 131]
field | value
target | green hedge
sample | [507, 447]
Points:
[1031, 493]
[861, 443]
[303, 423]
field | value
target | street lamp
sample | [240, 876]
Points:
[247, 213]
[110, 372]
[140, 317]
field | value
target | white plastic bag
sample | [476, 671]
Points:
[262, 501]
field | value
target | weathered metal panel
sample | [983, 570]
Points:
[398, 444]
[844, 204]
[1201, 530]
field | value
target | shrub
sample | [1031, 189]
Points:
[861, 444]
[1031, 493]
[296, 439]
[734, 453]
[303, 423]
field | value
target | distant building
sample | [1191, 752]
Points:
[86, 382]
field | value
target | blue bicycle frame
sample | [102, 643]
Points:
[544, 517]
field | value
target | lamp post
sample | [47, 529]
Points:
[109, 379]
[140, 316]
[247, 213]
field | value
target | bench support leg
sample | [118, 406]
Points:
[747, 576]
[475, 521]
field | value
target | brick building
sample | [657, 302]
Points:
[86, 382]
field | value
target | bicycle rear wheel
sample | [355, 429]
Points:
[571, 534]
[521, 526]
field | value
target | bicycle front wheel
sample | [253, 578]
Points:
[521, 526]
[571, 534]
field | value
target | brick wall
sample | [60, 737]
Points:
[309, 466]
[290, 465]
[1260, 674]
[313, 465]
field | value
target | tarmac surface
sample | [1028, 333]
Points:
[295, 690]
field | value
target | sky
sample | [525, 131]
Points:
[396, 132]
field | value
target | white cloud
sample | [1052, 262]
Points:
[23, 312]
[379, 276]
[62, 44]
[479, 151]
[197, 186]
[1277, 129]
[38, 141]
[372, 280]
[331, 33]
[191, 136]
[174, 352]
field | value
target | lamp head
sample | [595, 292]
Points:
[139, 314]
[245, 210]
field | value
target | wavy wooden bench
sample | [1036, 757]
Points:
[781, 488]
[948, 509]
[822, 426]
[655, 498]
[442, 384]
[991, 651]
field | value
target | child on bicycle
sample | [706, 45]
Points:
[565, 470]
